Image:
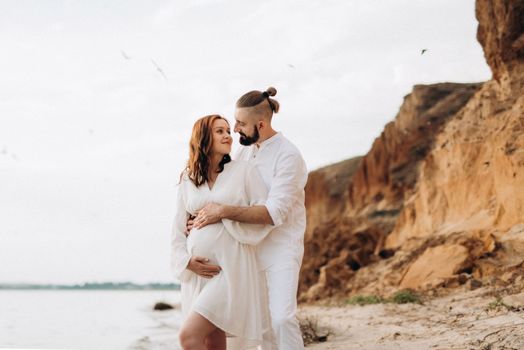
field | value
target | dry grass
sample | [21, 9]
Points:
[311, 332]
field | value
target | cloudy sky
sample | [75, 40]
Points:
[93, 135]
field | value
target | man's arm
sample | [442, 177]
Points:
[256, 214]
[214, 212]
[252, 211]
[286, 188]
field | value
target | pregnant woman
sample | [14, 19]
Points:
[232, 303]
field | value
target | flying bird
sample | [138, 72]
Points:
[290, 65]
[423, 51]
[159, 69]
[125, 55]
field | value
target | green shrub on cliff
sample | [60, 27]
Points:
[365, 300]
[401, 297]
[405, 296]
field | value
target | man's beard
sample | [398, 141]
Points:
[249, 140]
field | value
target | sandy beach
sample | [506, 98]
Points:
[463, 320]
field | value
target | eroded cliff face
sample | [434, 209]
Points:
[391, 168]
[501, 34]
[439, 198]
[353, 206]
[326, 194]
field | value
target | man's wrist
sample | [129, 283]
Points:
[223, 213]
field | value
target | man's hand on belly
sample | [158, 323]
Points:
[200, 266]
[211, 213]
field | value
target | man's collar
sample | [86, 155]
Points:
[269, 140]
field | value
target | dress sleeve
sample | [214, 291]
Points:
[179, 255]
[255, 191]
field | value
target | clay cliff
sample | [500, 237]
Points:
[438, 201]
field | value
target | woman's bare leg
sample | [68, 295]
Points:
[216, 340]
[194, 332]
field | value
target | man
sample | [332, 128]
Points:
[284, 172]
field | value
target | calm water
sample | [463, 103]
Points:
[88, 320]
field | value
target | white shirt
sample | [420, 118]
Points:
[284, 172]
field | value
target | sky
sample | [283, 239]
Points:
[98, 98]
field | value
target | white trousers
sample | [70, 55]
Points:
[282, 282]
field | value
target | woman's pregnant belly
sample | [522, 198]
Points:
[204, 242]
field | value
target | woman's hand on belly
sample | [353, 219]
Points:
[201, 267]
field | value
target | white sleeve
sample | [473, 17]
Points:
[179, 255]
[255, 191]
[287, 187]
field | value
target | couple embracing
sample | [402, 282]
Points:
[237, 240]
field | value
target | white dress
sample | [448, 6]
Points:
[236, 299]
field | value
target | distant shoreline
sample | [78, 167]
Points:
[91, 286]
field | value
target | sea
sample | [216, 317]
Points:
[88, 319]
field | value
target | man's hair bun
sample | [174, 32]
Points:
[271, 91]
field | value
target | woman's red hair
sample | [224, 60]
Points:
[200, 150]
